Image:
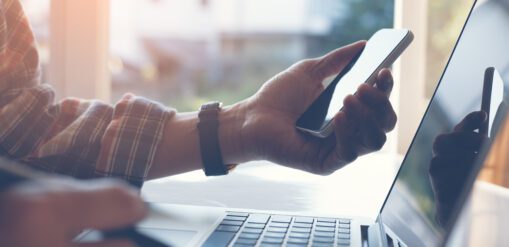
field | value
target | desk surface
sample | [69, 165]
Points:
[357, 190]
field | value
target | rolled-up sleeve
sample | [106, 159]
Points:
[81, 138]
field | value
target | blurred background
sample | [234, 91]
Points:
[185, 53]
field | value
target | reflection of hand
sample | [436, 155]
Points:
[360, 128]
[52, 212]
[454, 157]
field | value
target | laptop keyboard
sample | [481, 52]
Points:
[239, 229]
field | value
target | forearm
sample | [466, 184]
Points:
[179, 150]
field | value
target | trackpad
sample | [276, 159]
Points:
[174, 238]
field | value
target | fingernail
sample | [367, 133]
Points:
[387, 83]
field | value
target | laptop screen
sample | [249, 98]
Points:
[448, 149]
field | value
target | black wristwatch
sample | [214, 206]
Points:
[208, 129]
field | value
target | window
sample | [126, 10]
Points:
[184, 53]
[446, 19]
[38, 12]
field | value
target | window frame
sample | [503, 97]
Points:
[410, 72]
[79, 49]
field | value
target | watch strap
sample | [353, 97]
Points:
[210, 149]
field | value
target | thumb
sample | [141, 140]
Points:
[335, 61]
[472, 121]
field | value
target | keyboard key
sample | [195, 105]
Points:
[296, 245]
[225, 228]
[328, 220]
[249, 235]
[341, 225]
[299, 235]
[255, 225]
[218, 239]
[315, 244]
[252, 230]
[246, 241]
[232, 223]
[281, 218]
[326, 224]
[325, 229]
[344, 221]
[302, 225]
[269, 245]
[275, 234]
[243, 245]
[298, 240]
[235, 218]
[343, 242]
[343, 230]
[273, 240]
[258, 218]
[240, 214]
[323, 240]
[282, 225]
[305, 230]
[276, 229]
[308, 220]
[344, 236]
[324, 234]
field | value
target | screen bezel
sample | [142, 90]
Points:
[477, 165]
[489, 75]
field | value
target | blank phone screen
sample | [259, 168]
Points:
[364, 69]
[497, 98]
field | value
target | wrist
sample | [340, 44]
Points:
[234, 148]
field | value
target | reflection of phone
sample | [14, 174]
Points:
[492, 97]
[382, 49]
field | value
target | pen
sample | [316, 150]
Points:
[12, 174]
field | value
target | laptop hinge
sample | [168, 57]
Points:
[376, 234]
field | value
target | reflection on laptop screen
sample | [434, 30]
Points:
[448, 150]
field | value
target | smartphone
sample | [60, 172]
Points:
[381, 50]
[492, 98]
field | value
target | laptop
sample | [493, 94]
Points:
[430, 189]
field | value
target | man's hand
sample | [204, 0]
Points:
[454, 156]
[53, 212]
[268, 129]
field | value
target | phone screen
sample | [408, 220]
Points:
[493, 98]
[364, 69]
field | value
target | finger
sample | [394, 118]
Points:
[371, 133]
[106, 205]
[472, 121]
[372, 136]
[385, 82]
[109, 243]
[354, 108]
[345, 131]
[383, 115]
[380, 105]
[458, 143]
[335, 61]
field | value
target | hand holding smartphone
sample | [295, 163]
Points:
[380, 52]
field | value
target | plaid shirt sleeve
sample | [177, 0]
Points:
[84, 139]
